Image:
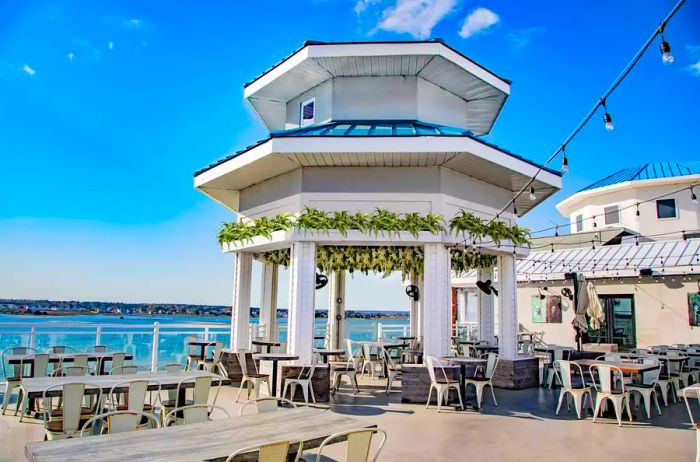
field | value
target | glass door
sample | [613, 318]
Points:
[620, 324]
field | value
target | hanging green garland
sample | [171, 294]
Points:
[383, 260]
[381, 221]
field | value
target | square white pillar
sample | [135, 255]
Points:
[507, 308]
[240, 312]
[268, 301]
[436, 301]
[302, 292]
[414, 307]
[485, 311]
[336, 310]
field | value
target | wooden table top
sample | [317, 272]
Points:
[34, 387]
[275, 357]
[64, 357]
[213, 440]
[463, 360]
[201, 342]
[385, 344]
[329, 351]
[629, 368]
[265, 343]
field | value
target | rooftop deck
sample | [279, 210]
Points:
[522, 427]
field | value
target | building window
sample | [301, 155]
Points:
[666, 208]
[308, 112]
[579, 223]
[612, 215]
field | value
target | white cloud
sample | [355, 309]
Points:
[522, 38]
[133, 23]
[695, 69]
[362, 5]
[28, 69]
[415, 17]
[110, 45]
[478, 21]
[71, 56]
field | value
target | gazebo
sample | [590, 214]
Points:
[374, 162]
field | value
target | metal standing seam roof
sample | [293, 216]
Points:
[656, 255]
[372, 128]
[650, 171]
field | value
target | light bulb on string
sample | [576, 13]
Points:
[564, 160]
[556, 232]
[515, 209]
[607, 118]
[666, 56]
[533, 196]
[637, 208]
[693, 197]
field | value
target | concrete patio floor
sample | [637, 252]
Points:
[522, 428]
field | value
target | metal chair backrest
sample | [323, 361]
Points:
[606, 378]
[651, 377]
[688, 393]
[69, 371]
[218, 350]
[97, 349]
[170, 368]
[118, 422]
[80, 360]
[41, 364]
[135, 393]
[124, 369]
[388, 360]
[58, 349]
[307, 371]
[200, 390]
[491, 364]
[118, 359]
[565, 372]
[277, 451]
[243, 362]
[72, 395]
[359, 444]
[265, 405]
[366, 350]
[16, 369]
[193, 413]
[192, 350]
[611, 358]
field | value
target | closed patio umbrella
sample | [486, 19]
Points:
[580, 322]
[595, 310]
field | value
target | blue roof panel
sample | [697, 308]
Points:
[650, 171]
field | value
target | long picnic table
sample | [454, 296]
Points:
[60, 358]
[627, 368]
[207, 441]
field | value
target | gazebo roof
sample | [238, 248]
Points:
[431, 60]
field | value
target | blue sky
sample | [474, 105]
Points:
[107, 108]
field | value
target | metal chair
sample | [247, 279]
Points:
[393, 369]
[59, 349]
[13, 373]
[277, 451]
[482, 382]
[648, 387]
[191, 414]
[199, 394]
[256, 379]
[607, 377]
[118, 422]
[359, 444]
[64, 421]
[265, 405]
[568, 389]
[441, 385]
[304, 380]
[347, 368]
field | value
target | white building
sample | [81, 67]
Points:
[359, 126]
[644, 265]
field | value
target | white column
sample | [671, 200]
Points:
[268, 301]
[336, 308]
[240, 312]
[462, 305]
[436, 301]
[507, 308]
[302, 290]
[485, 312]
[414, 307]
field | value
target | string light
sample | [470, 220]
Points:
[637, 209]
[693, 197]
[607, 117]
[556, 232]
[564, 160]
[533, 196]
[666, 56]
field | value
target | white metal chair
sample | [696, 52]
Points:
[97, 349]
[441, 385]
[65, 421]
[687, 394]
[40, 368]
[134, 395]
[266, 404]
[369, 359]
[118, 422]
[256, 379]
[277, 451]
[13, 374]
[558, 354]
[304, 380]
[199, 394]
[607, 377]
[393, 369]
[359, 444]
[667, 381]
[69, 371]
[648, 387]
[346, 368]
[482, 382]
[192, 352]
[58, 349]
[579, 393]
[192, 413]
[117, 360]
[209, 363]
[79, 360]
[170, 368]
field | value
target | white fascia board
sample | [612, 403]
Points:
[327, 144]
[281, 69]
[241, 160]
[568, 205]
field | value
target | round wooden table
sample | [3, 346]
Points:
[267, 344]
[274, 358]
[326, 352]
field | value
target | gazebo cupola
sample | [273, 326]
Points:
[361, 127]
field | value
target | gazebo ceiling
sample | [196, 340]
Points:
[432, 60]
[462, 153]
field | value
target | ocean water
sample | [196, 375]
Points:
[134, 334]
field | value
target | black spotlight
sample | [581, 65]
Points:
[321, 281]
[413, 292]
[486, 287]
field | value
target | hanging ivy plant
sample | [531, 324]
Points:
[463, 262]
[381, 221]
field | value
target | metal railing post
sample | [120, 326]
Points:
[206, 333]
[154, 349]
[32, 337]
[380, 332]
[98, 336]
